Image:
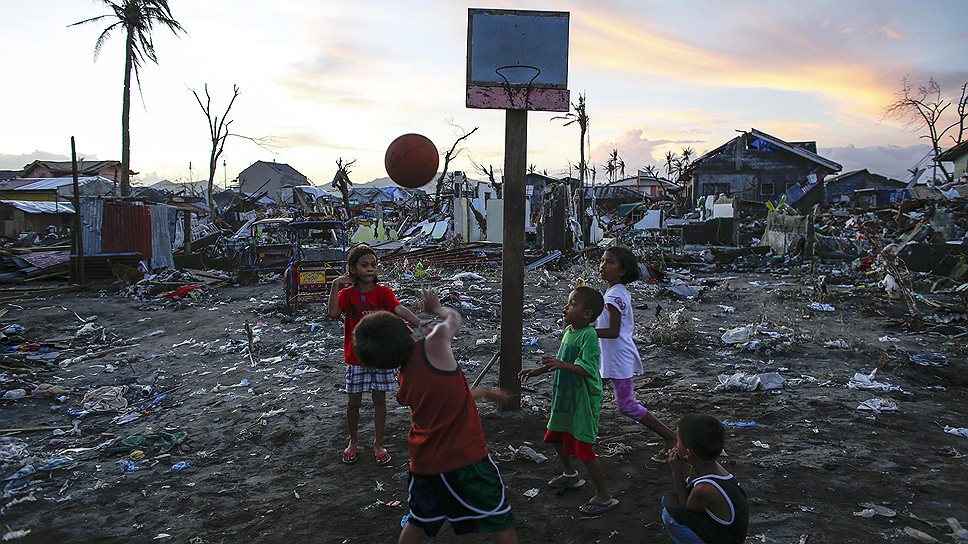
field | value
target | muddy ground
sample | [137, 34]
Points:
[263, 438]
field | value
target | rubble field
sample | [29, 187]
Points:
[217, 417]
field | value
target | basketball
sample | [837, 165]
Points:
[411, 160]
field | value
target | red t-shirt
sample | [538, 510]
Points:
[446, 432]
[356, 305]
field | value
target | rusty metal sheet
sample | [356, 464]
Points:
[126, 228]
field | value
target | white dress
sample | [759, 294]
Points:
[620, 357]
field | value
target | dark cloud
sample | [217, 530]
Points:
[892, 161]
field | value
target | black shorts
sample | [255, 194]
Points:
[471, 498]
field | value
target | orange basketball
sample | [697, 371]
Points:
[411, 160]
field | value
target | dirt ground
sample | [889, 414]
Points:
[263, 437]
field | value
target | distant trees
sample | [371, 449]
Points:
[137, 18]
[615, 166]
[676, 164]
[923, 107]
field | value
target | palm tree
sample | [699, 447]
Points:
[615, 165]
[137, 18]
[581, 117]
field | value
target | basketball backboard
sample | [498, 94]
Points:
[517, 59]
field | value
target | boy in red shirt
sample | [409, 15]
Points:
[452, 477]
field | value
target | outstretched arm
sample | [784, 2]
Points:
[550, 363]
[407, 315]
[497, 396]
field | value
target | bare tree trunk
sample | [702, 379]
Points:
[126, 116]
[218, 132]
[443, 174]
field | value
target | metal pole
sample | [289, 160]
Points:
[78, 235]
[512, 271]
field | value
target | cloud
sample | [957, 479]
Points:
[17, 162]
[891, 161]
[769, 53]
[636, 150]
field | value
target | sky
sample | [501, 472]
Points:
[324, 80]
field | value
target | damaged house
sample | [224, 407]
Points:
[863, 189]
[757, 167]
[275, 179]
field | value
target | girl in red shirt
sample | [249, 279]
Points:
[357, 294]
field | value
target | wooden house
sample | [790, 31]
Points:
[757, 167]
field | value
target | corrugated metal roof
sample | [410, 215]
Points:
[797, 150]
[56, 183]
[30, 206]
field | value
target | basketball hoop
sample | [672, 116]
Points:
[519, 73]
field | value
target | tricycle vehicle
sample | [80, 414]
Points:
[318, 258]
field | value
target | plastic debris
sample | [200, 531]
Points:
[739, 335]
[840, 343]
[771, 380]
[179, 466]
[870, 510]
[532, 454]
[737, 382]
[820, 307]
[15, 394]
[866, 381]
[929, 359]
[728, 423]
[878, 406]
[109, 398]
[920, 536]
[759, 444]
[14, 535]
[128, 465]
[531, 493]
[958, 431]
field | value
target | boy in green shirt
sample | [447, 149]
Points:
[576, 399]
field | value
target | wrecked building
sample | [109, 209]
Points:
[757, 167]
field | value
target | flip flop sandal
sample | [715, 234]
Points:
[347, 458]
[597, 508]
[563, 482]
[383, 458]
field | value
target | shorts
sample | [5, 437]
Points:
[360, 379]
[471, 498]
[572, 446]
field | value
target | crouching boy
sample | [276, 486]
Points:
[709, 507]
[452, 477]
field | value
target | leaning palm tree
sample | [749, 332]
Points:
[137, 18]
